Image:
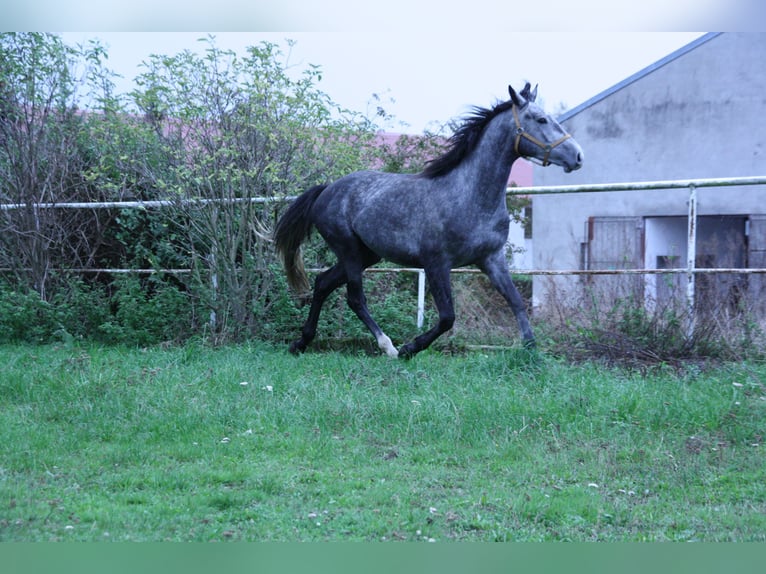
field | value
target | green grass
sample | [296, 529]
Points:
[249, 443]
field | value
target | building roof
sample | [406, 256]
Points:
[639, 75]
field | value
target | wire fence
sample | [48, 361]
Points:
[690, 271]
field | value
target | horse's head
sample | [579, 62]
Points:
[539, 136]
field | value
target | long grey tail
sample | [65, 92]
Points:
[292, 229]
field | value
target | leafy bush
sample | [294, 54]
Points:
[147, 312]
[137, 312]
[74, 311]
[23, 316]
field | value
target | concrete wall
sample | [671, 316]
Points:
[699, 113]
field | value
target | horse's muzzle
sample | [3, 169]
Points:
[576, 165]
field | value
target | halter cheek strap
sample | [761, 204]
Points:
[522, 133]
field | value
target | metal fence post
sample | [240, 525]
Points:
[421, 297]
[691, 258]
[214, 287]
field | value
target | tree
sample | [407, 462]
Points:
[234, 129]
[43, 156]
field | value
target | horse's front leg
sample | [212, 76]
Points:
[496, 268]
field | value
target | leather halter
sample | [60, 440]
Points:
[522, 133]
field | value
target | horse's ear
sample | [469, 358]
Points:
[515, 96]
[527, 94]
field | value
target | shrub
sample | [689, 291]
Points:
[147, 311]
[74, 311]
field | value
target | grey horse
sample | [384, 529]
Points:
[450, 215]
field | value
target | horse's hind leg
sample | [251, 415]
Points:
[496, 269]
[325, 283]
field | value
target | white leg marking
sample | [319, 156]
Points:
[384, 342]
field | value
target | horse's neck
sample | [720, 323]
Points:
[487, 169]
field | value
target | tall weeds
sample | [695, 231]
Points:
[625, 326]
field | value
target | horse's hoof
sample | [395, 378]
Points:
[297, 347]
[407, 351]
[530, 344]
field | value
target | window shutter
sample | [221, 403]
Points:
[615, 242]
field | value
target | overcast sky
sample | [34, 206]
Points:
[426, 79]
[434, 58]
[486, 17]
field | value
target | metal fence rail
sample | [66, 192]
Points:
[640, 185]
[534, 190]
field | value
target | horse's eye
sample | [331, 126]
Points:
[542, 120]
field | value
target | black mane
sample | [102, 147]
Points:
[464, 140]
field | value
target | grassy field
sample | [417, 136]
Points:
[248, 443]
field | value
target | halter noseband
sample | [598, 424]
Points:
[522, 133]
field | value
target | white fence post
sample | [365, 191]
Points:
[691, 258]
[214, 287]
[421, 297]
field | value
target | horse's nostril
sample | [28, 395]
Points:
[579, 157]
